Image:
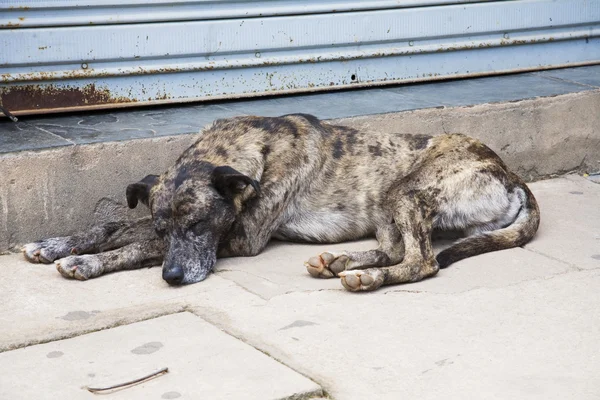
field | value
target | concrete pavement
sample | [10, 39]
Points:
[521, 323]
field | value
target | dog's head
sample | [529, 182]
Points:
[192, 209]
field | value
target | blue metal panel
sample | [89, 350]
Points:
[32, 13]
[93, 66]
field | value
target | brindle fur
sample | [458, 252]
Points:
[250, 179]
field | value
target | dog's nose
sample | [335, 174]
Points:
[173, 276]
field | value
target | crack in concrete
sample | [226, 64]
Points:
[407, 291]
[306, 291]
[55, 135]
[573, 266]
[208, 317]
[525, 281]
[243, 287]
[267, 299]
[121, 321]
[555, 78]
[248, 273]
[443, 124]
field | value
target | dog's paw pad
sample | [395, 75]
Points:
[326, 265]
[31, 252]
[46, 251]
[79, 267]
[362, 281]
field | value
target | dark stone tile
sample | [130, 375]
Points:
[584, 75]
[22, 136]
[488, 90]
[118, 125]
[333, 105]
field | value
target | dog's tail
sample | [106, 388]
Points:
[519, 232]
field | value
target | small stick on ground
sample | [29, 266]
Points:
[129, 383]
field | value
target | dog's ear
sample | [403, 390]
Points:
[140, 191]
[228, 181]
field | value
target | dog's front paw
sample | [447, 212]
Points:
[362, 281]
[326, 265]
[48, 250]
[80, 267]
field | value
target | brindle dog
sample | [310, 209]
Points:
[250, 179]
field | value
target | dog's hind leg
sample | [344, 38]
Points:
[132, 256]
[414, 219]
[390, 251]
[101, 237]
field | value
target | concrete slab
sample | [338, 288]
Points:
[37, 305]
[570, 225]
[532, 340]
[203, 362]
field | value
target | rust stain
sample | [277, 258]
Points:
[34, 97]
[502, 43]
[46, 76]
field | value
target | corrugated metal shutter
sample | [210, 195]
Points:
[60, 55]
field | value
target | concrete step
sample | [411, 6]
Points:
[56, 170]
